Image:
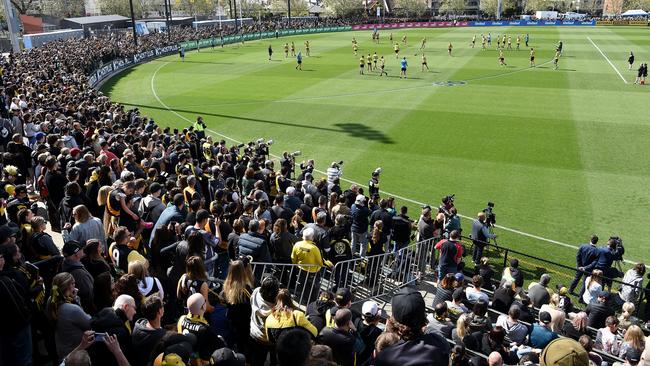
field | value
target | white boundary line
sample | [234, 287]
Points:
[514, 231]
[607, 59]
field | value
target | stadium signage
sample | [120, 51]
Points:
[410, 25]
[532, 23]
[104, 70]
[118, 65]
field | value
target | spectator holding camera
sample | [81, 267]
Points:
[480, 235]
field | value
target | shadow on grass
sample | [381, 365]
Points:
[352, 129]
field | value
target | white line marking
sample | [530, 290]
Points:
[607, 59]
[514, 231]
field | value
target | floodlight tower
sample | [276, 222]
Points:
[12, 22]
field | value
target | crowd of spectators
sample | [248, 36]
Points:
[161, 227]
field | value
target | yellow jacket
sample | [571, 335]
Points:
[283, 320]
[306, 252]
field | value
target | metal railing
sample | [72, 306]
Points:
[367, 277]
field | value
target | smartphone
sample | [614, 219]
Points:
[100, 337]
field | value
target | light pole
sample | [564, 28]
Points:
[135, 34]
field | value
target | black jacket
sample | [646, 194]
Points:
[256, 246]
[113, 322]
[144, 341]
[341, 343]
[597, 313]
[426, 350]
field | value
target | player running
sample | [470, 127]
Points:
[424, 43]
[489, 39]
[559, 47]
[403, 65]
[299, 61]
[483, 41]
[375, 57]
[449, 48]
[382, 65]
[286, 50]
[526, 38]
[424, 62]
[362, 64]
[293, 50]
[270, 52]
[396, 48]
[473, 41]
[502, 60]
[556, 59]
[630, 60]
[404, 39]
[532, 57]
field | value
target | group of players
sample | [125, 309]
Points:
[375, 62]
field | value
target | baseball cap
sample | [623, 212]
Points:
[6, 232]
[459, 277]
[633, 355]
[178, 354]
[71, 248]
[544, 317]
[75, 151]
[39, 135]
[21, 188]
[291, 190]
[360, 199]
[343, 296]
[227, 357]
[562, 290]
[408, 308]
[370, 308]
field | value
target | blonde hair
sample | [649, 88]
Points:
[82, 213]
[138, 269]
[596, 275]
[462, 326]
[60, 283]
[240, 276]
[628, 310]
[283, 303]
[635, 337]
[555, 300]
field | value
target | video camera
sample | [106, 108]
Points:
[490, 216]
[617, 240]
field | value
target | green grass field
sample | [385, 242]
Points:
[563, 153]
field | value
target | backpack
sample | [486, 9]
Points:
[564, 352]
[40, 184]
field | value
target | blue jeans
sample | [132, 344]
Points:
[443, 270]
[362, 240]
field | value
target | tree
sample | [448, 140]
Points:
[23, 6]
[344, 8]
[253, 8]
[453, 7]
[63, 9]
[119, 7]
[636, 4]
[298, 7]
[489, 7]
[411, 8]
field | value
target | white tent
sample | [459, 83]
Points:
[634, 13]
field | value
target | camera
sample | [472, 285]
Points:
[377, 171]
[240, 146]
[296, 153]
[490, 216]
[617, 240]
[449, 199]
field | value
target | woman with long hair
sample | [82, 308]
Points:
[25, 217]
[286, 315]
[462, 334]
[633, 338]
[237, 289]
[63, 310]
[593, 285]
[86, 227]
[444, 290]
[376, 244]
[194, 281]
[94, 260]
[147, 285]
[557, 315]
[297, 222]
[127, 284]
[577, 327]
